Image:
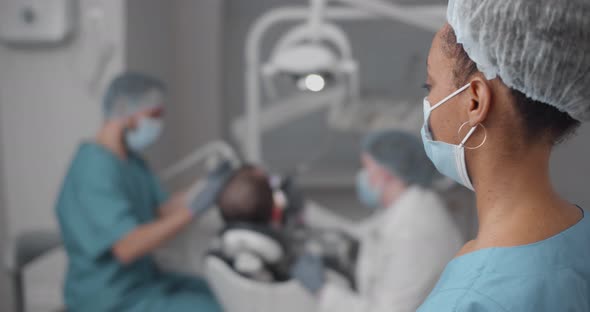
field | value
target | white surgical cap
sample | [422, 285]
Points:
[538, 47]
[129, 93]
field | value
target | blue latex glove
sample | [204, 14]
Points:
[309, 271]
[205, 198]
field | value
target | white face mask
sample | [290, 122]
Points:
[368, 195]
[148, 130]
[449, 159]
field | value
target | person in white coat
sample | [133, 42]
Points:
[404, 245]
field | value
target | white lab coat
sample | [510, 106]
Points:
[404, 248]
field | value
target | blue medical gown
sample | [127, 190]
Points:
[103, 198]
[548, 276]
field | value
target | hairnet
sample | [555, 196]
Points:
[538, 47]
[130, 93]
[402, 154]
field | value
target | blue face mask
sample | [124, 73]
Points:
[448, 159]
[368, 195]
[148, 130]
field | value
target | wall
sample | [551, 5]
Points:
[150, 49]
[198, 70]
[180, 42]
[5, 290]
[46, 108]
[570, 168]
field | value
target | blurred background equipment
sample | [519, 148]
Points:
[37, 22]
[21, 252]
[311, 86]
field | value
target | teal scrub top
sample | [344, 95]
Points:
[103, 198]
[547, 276]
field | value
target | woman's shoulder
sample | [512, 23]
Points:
[508, 279]
[469, 247]
[460, 300]
[500, 291]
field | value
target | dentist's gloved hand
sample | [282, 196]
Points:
[310, 272]
[203, 195]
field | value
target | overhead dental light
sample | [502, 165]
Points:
[309, 64]
[313, 58]
[317, 55]
[305, 58]
[312, 82]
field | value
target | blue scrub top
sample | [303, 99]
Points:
[547, 276]
[103, 198]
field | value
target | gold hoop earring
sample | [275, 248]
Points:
[484, 138]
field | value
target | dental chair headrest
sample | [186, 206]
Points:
[245, 238]
[256, 252]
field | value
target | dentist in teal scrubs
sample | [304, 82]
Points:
[507, 81]
[113, 213]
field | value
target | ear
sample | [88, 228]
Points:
[132, 121]
[387, 178]
[480, 102]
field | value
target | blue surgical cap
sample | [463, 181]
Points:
[538, 47]
[402, 154]
[131, 92]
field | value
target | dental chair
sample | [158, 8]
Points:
[248, 269]
[237, 293]
[22, 251]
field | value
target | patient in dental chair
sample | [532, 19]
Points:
[252, 242]
[247, 197]
[264, 232]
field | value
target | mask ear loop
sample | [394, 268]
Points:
[470, 133]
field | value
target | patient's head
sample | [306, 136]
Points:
[247, 197]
